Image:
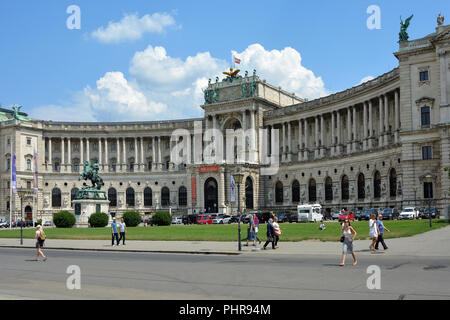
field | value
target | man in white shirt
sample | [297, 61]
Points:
[123, 229]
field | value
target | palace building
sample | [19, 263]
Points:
[383, 143]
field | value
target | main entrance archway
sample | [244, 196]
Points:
[248, 193]
[211, 196]
[28, 213]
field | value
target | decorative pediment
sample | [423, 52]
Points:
[425, 100]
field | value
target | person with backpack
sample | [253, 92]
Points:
[40, 238]
[270, 234]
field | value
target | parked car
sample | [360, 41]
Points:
[204, 220]
[346, 215]
[390, 214]
[47, 224]
[189, 219]
[357, 213]
[221, 219]
[263, 216]
[335, 215]
[426, 213]
[365, 215]
[283, 216]
[177, 220]
[307, 213]
[4, 224]
[408, 213]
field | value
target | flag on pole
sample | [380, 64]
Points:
[13, 175]
[237, 60]
[35, 177]
[232, 189]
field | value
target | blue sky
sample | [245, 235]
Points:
[153, 64]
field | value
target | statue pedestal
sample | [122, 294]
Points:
[85, 207]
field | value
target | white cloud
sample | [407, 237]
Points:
[282, 68]
[365, 79]
[120, 99]
[131, 27]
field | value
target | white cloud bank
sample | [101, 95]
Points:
[365, 79]
[131, 27]
[161, 87]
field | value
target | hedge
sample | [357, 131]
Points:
[64, 219]
[132, 218]
[99, 220]
[162, 218]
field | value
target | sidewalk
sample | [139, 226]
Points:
[433, 243]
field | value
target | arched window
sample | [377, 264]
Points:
[344, 188]
[130, 197]
[328, 189]
[377, 184]
[312, 191]
[112, 197]
[249, 193]
[56, 198]
[361, 186]
[295, 191]
[148, 195]
[393, 183]
[279, 192]
[73, 193]
[28, 164]
[165, 196]
[182, 196]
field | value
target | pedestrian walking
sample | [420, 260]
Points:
[40, 238]
[373, 231]
[347, 238]
[381, 229]
[114, 232]
[277, 231]
[251, 230]
[123, 229]
[270, 234]
[256, 224]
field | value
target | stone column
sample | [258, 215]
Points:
[386, 120]
[349, 130]
[322, 136]
[136, 160]
[222, 191]
[370, 137]
[316, 137]
[364, 125]
[252, 137]
[339, 132]
[380, 124]
[300, 139]
[397, 117]
[100, 154]
[106, 163]
[159, 154]
[289, 151]
[154, 153]
[244, 128]
[283, 142]
[69, 155]
[50, 155]
[63, 152]
[118, 160]
[124, 155]
[88, 152]
[355, 130]
[305, 151]
[81, 151]
[333, 140]
[142, 165]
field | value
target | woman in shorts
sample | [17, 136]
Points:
[40, 238]
[349, 235]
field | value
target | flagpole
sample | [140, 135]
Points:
[10, 188]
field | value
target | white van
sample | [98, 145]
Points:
[309, 213]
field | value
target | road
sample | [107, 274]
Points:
[124, 275]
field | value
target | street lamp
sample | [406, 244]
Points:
[22, 192]
[429, 179]
[238, 177]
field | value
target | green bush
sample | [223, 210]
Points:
[39, 221]
[63, 219]
[132, 218]
[98, 220]
[162, 218]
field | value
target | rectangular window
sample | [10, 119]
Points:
[428, 190]
[28, 184]
[76, 146]
[423, 75]
[56, 166]
[131, 146]
[28, 141]
[426, 153]
[425, 116]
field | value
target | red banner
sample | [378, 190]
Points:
[194, 190]
[208, 169]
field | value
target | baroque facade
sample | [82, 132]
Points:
[369, 146]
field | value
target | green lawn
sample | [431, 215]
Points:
[291, 232]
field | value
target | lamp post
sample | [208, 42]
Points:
[429, 179]
[238, 179]
[22, 192]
